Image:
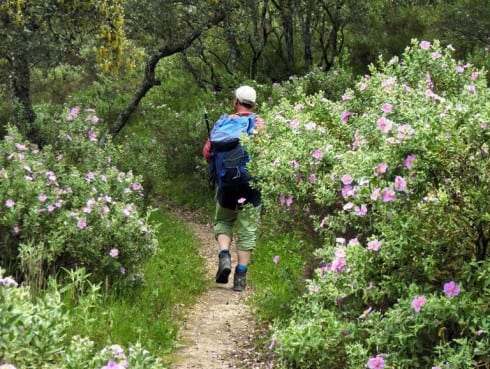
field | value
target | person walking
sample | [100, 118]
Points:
[238, 203]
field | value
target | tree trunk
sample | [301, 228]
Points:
[149, 80]
[308, 54]
[288, 24]
[20, 84]
[286, 11]
[235, 53]
[258, 40]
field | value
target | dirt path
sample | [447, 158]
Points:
[220, 325]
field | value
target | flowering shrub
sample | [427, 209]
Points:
[68, 206]
[33, 334]
[394, 178]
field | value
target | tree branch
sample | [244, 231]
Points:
[149, 79]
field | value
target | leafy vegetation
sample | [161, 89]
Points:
[393, 178]
[374, 171]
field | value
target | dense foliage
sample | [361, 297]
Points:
[385, 176]
[394, 178]
[69, 206]
[34, 333]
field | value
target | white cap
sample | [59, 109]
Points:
[245, 95]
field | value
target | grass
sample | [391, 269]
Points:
[277, 275]
[151, 312]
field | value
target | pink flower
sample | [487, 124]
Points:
[361, 210]
[459, 69]
[376, 363]
[127, 211]
[384, 125]
[10, 203]
[348, 191]
[418, 302]
[380, 169]
[114, 253]
[346, 179]
[82, 223]
[74, 111]
[338, 264]
[474, 76]
[425, 45]
[91, 136]
[348, 206]
[275, 259]
[90, 176]
[353, 242]
[388, 195]
[294, 124]
[387, 108]
[137, 186]
[374, 245]
[21, 147]
[409, 161]
[241, 200]
[400, 183]
[8, 282]
[376, 194]
[312, 178]
[345, 116]
[310, 126]
[405, 131]
[451, 289]
[436, 55]
[317, 154]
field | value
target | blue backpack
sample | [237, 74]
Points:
[229, 157]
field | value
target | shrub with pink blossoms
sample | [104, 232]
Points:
[68, 206]
[419, 174]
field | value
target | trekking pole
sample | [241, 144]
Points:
[206, 119]
[212, 177]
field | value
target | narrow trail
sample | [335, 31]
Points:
[220, 324]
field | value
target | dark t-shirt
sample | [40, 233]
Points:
[237, 196]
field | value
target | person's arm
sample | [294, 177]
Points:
[206, 151]
[259, 125]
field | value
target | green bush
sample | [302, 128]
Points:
[395, 179]
[68, 206]
[33, 334]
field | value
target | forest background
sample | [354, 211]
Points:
[103, 112]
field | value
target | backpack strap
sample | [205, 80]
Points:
[251, 124]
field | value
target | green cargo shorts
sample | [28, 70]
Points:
[245, 220]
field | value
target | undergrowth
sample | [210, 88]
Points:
[149, 312]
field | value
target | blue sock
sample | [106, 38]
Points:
[241, 268]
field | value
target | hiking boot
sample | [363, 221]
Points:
[224, 268]
[239, 281]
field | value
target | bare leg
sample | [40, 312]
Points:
[244, 257]
[224, 242]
